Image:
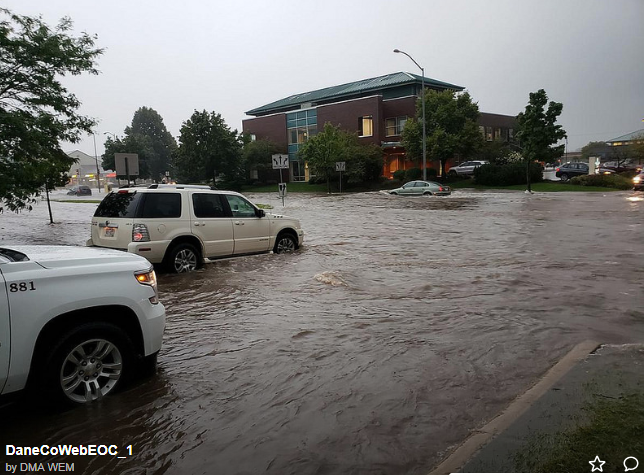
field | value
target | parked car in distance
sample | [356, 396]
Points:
[80, 190]
[571, 169]
[638, 181]
[466, 168]
[422, 188]
[75, 322]
[628, 165]
[180, 225]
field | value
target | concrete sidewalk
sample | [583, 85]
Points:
[554, 404]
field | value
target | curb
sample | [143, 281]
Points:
[521, 404]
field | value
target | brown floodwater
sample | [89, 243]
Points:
[400, 327]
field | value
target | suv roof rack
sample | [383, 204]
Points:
[178, 186]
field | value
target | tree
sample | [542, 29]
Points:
[149, 138]
[595, 149]
[135, 143]
[636, 149]
[37, 112]
[537, 131]
[363, 162]
[450, 124]
[257, 155]
[324, 149]
[207, 149]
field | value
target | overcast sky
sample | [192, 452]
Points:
[230, 57]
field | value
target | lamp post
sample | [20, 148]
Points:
[98, 172]
[422, 98]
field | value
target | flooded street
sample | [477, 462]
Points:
[402, 325]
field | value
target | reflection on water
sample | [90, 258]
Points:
[402, 325]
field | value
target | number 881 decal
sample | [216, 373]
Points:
[22, 286]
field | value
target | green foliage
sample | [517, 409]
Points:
[609, 181]
[611, 427]
[257, 155]
[507, 175]
[594, 149]
[413, 174]
[399, 175]
[363, 162]
[537, 130]
[451, 127]
[432, 173]
[209, 149]
[36, 111]
[496, 151]
[149, 138]
[139, 144]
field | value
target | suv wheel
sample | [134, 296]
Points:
[182, 258]
[564, 177]
[285, 243]
[452, 173]
[88, 363]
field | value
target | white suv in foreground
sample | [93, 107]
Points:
[178, 226]
[75, 322]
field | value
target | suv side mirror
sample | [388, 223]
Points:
[260, 213]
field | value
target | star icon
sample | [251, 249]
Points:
[597, 464]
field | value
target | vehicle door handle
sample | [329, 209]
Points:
[239, 223]
[203, 223]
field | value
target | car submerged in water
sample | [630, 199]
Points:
[422, 188]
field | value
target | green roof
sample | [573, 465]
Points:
[638, 134]
[350, 90]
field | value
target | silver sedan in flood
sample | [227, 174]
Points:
[422, 188]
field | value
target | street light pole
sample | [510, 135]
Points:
[422, 98]
[98, 172]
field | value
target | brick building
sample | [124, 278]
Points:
[376, 109]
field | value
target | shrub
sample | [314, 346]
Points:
[399, 175]
[507, 175]
[432, 173]
[413, 174]
[608, 181]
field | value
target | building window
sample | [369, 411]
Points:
[395, 125]
[497, 133]
[301, 126]
[488, 134]
[511, 133]
[365, 126]
[482, 130]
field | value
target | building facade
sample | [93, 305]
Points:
[376, 109]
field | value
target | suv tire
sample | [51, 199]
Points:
[86, 364]
[564, 177]
[183, 257]
[285, 242]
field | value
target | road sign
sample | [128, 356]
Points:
[282, 190]
[340, 166]
[280, 161]
[126, 164]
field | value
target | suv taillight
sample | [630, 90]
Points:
[140, 233]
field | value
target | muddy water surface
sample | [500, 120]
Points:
[400, 327]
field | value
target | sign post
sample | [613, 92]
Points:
[280, 162]
[340, 167]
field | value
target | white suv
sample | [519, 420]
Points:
[180, 225]
[75, 321]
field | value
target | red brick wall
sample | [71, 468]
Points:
[272, 127]
[346, 114]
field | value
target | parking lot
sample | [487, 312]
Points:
[402, 325]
